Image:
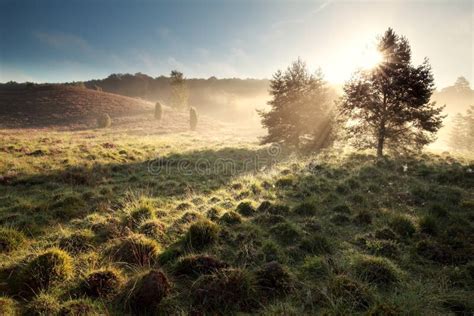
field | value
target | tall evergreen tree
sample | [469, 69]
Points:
[389, 105]
[462, 131]
[300, 111]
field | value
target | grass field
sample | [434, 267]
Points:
[123, 221]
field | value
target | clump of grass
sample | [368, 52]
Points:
[384, 309]
[316, 245]
[78, 241]
[278, 209]
[284, 182]
[350, 292]
[315, 267]
[340, 219]
[214, 213]
[225, 291]
[377, 270]
[231, 218]
[363, 217]
[342, 208]
[286, 232]
[43, 304]
[264, 206]
[433, 251]
[7, 306]
[104, 121]
[403, 226]
[11, 239]
[305, 209]
[273, 279]
[201, 234]
[138, 215]
[270, 251]
[245, 208]
[47, 269]
[136, 249]
[428, 225]
[386, 248]
[196, 265]
[81, 307]
[147, 291]
[385, 233]
[152, 228]
[103, 283]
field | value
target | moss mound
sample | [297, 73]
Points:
[78, 241]
[376, 270]
[245, 208]
[47, 269]
[231, 218]
[274, 279]
[148, 291]
[79, 307]
[103, 283]
[403, 226]
[7, 306]
[201, 234]
[43, 304]
[225, 291]
[352, 293]
[10, 239]
[136, 249]
[196, 265]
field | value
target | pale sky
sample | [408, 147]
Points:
[56, 40]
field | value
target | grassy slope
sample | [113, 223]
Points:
[55, 184]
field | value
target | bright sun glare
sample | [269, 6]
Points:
[370, 58]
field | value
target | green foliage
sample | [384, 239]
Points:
[286, 232]
[47, 269]
[462, 131]
[43, 304]
[11, 239]
[273, 279]
[179, 90]
[376, 270]
[316, 245]
[147, 291]
[193, 118]
[104, 121]
[350, 292]
[7, 306]
[403, 226]
[78, 241]
[201, 234]
[103, 283]
[136, 249]
[305, 209]
[79, 307]
[386, 248]
[158, 111]
[196, 265]
[152, 228]
[231, 218]
[315, 267]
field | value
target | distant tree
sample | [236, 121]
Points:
[462, 131]
[462, 84]
[193, 118]
[158, 111]
[179, 90]
[104, 121]
[389, 105]
[300, 111]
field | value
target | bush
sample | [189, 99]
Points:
[136, 249]
[376, 270]
[351, 292]
[152, 229]
[316, 245]
[78, 241]
[231, 218]
[79, 307]
[104, 121]
[43, 304]
[193, 118]
[47, 269]
[274, 280]
[7, 306]
[245, 209]
[148, 291]
[201, 234]
[224, 291]
[286, 232]
[196, 265]
[10, 239]
[305, 209]
[102, 283]
[403, 226]
[316, 267]
[158, 111]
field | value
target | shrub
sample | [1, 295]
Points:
[78, 241]
[104, 121]
[196, 265]
[136, 249]
[79, 307]
[316, 245]
[316, 267]
[152, 229]
[428, 225]
[403, 226]
[376, 270]
[201, 234]
[10, 239]
[102, 283]
[231, 218]
[274, 280]
[158, 111]
[48, 268]
[305, 209]
[43, 304]
[7, 306]
[245, 208]
[285, 232]
[351, 292]
[147, 291]
[224, 291]
[193, 118]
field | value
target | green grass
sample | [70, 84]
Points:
[334, 233]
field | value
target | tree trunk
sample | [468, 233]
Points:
[380, 147]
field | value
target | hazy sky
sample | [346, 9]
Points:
[61, 40]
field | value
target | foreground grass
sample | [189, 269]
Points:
[93, 223]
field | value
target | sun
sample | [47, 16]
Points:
[370, 58]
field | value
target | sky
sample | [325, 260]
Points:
[72, 40]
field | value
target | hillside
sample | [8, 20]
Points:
[61, 105]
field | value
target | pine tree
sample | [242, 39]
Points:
[389, 105]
